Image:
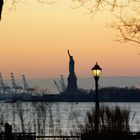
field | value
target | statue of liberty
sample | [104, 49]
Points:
[71, 64]
[72, 80]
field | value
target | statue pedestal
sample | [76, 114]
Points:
[72, 84]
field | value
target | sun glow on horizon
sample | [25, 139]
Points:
[35, 39]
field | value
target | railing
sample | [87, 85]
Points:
[32, 136]
[58, 138]
[17, 136]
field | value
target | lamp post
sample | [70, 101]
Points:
[96, 72]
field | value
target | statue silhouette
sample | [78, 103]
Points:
[1, 5]
[71, 64]
[72, 80]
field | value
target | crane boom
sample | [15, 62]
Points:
[57, 86]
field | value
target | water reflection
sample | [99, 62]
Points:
[55, 118]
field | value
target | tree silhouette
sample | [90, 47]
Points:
[127, 13]
[1, 5]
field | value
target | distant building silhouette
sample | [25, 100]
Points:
[72, 79]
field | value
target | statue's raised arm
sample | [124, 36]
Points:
[68, 53]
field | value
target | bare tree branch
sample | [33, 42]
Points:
[129, 29]
[1, 6]
[48, 1]
[129, 16]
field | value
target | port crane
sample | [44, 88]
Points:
[16, 88]
[61, 87]
[26, 88]
[4, 88]
[1, 81]
[62, 83]
[57, 86]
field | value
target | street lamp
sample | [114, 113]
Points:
[96, 72]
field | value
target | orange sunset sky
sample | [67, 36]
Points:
[35, 37]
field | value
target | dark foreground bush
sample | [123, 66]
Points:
[113, 124]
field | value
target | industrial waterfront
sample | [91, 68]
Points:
[68, 90]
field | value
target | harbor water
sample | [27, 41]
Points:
[56, 118]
